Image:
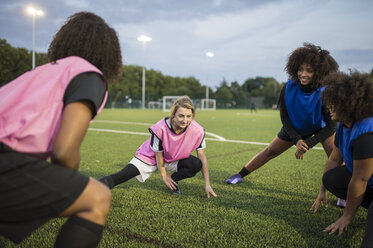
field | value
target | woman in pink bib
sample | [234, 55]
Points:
[168, 149]
[45, 113]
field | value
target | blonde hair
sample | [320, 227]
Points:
[182, 102]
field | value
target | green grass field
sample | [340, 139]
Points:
[269, 209]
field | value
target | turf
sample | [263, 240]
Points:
[270, 208]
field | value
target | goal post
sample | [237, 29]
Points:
[208, 104]
[154, 105]
[167, 102]
[202, 104]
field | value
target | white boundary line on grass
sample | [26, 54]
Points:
[149, 124]
[125, 122]
[217, 139]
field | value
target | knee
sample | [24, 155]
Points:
[101, 201]
[197, 165]
[327, 179]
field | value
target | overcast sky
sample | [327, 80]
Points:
[249, 38]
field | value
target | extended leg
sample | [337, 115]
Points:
[128, 172]
[275, 148]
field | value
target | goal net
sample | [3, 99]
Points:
[208, 104]
[167, 102]
[202, 104]
[154, 105]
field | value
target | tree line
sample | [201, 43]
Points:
[127, 90]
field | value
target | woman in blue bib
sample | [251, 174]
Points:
[350, 100]
[305, 121]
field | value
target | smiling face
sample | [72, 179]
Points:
[181, 119]
[305, 74]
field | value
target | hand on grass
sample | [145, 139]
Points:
[340, 225]
[209, 191]
[302, 148]
[169, 182]
[320, 201]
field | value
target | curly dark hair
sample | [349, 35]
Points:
[351, 95]
[320, 61]
[87, 35]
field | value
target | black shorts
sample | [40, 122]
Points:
[285, 136]
[32, 191]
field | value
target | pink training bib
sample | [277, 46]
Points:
[31, 105]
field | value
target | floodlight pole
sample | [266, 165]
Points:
[208, 55]
[143, 39]
[33, 41]
[34, 12]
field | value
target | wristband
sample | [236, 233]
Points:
[322, 189]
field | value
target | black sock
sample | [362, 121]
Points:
[244, 172]
[128, 172]
[79, 233]
[108, 181]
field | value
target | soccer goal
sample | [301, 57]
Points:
[167, 102]
[202, 104]
[154, 105]
[208, 104]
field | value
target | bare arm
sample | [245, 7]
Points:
[363, 170]
[333, 161]
[74, 124]
[205, 171]
[166, 178]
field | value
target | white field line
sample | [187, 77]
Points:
[149, 124]
[125, 122]
[217, 139]
[216, 136]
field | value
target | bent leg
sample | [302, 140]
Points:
[187, 168]
[93, 203]
[275, 148]
[336, 181]
[89, 212]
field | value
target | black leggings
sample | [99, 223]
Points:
[336, 181]
[186, 168]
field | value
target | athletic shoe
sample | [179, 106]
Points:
[341, 203]
[108, 181]
[176, 191]
[236, 178]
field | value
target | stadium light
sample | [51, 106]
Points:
[34, 12]
[143, 39]
[208, 55]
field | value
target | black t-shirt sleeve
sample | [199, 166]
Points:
[362, 147]
[87, 86]
[323, 133]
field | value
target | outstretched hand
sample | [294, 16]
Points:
[170, 183]
[320, 201]
[209, 191]
[340, 225]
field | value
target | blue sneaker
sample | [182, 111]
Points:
[236, 178]
[341, 203]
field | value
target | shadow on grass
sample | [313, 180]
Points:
[128, 235]
[292, 208]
